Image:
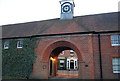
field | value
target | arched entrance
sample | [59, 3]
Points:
[51, 53]
[43, 67]
[63, 65]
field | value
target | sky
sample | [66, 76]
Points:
[22, 11]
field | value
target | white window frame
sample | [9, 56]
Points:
[19, 42]
[6, 44]
[114, 39]
[71, 52]
[116, 63]
[62, 61]
[62, 53]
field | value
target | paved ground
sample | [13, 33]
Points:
[64, 74]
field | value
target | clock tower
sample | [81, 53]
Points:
[67, 7]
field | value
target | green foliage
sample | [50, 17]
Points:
[18, 62]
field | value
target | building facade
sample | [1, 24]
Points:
[35, 46]
[67, 60]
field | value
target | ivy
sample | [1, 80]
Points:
[18, 62]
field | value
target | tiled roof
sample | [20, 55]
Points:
[97, 23]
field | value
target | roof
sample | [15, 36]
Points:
[97, 23]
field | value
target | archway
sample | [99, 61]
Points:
[63, 65]
[54, 49]
[49, 48]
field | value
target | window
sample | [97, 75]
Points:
[20, 44]
[71, 52]
[62, 61]
[115, 40]
[116, 64]
[62, 53]
[6, 44]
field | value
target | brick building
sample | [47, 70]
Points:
[31, 49]
[94, 38]
[67, 60]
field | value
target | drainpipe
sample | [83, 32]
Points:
[100, 56]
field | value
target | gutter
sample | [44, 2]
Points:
[75, 33]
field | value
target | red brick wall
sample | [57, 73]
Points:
[67, 53]
[108, 51]
[87, 50]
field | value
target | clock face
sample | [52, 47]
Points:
[66, 7]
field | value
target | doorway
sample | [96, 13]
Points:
[71, 64]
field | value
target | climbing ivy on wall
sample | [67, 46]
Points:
[18, 62]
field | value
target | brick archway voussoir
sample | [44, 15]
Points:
[61, 43]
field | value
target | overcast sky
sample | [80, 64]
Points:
[21, 11]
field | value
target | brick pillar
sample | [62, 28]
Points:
[40, 70]
[54, 68]
[85, 70]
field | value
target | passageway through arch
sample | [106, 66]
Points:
[63, 63]
[43, 67]
[54, 51]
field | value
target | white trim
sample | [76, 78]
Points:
[68, 63]
[74, 64]
[6, 47]
[19, 47]
[62, 61]
[115, 44]
[6, 43]
[71, 51]
[116, 71]
[115, 39]
[18, 42]
[116, 64]
[62, 53]
[61, 57]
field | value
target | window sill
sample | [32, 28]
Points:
[115, 44]
[19, 47]
[116, 72]
[6, 48]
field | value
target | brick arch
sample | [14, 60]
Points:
[60, 43]
[43, 58]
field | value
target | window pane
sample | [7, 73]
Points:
[20, 44]
[71, 51]
[62, 61]
[115, 42]
[116, 68]
[116, 71]
[116, 61]
[6, 44]
[116, 64]
[115, 39]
